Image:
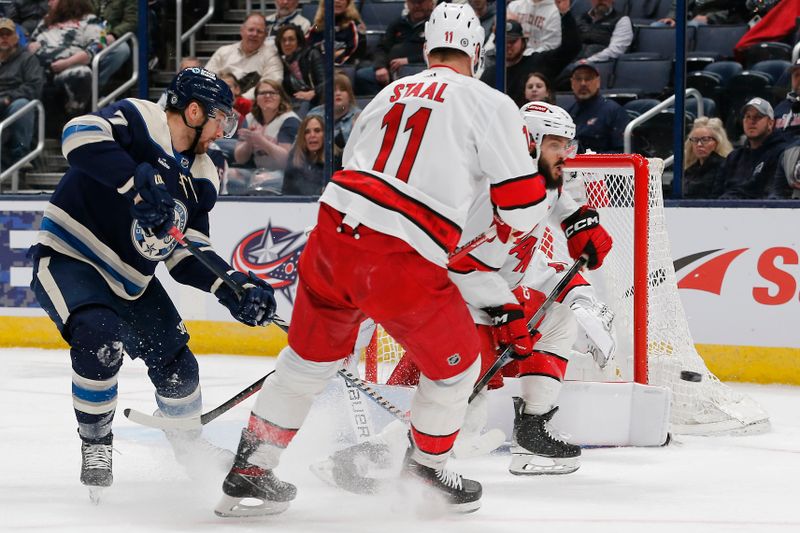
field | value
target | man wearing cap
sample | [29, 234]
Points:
[600, 122]
[21, 80]
[787, 112]
[548, 62]
[748, 171]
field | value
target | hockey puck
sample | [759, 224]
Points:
[688, 375]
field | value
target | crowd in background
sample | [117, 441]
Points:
[276, 71]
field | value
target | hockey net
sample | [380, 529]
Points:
[637, 281]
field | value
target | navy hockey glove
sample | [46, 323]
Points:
[511, 329]
[585, 235]
[155, 209]
[257, 306]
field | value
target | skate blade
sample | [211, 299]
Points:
[232, 507]
[526, 464]
[95, 494]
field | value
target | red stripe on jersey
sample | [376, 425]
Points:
[577, 281]
[433, 444]
[543, 364]
[519, 193]
[469, 263]
[269, 432]
[445, 233]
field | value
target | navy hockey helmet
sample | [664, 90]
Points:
[203, 86]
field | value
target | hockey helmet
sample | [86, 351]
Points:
[543, 119]
[455, 26]
[203, 86]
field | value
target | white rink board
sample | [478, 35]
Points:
[739, 315]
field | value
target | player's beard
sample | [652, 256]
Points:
[551, 181]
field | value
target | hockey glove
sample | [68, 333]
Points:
[257, 306]
[511, 329]
[585, 235]
[154, 207]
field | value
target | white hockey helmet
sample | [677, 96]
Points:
[455, 26]
[543, 119]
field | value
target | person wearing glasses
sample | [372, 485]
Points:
[705, 151]
[267, 135]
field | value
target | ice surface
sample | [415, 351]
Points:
[696, 484]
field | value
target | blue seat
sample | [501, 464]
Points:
[659, 40]
[663, 8]
[765, 51]
[653, 138]
[411, 68]
[645, 77]
[565, 99]
[309, 10]
[709, 107]
[719, 38]
[579, 7]
[377, 15]
[643, 10]
[362, 101]
[774, 67]
[725, 69]
[635, 108]
[707, 82]
[373, 39]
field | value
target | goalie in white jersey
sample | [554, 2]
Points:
[417, 157]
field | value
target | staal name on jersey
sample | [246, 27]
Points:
[432, 91]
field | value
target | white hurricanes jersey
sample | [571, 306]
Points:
[423, 149]
[488, 274]
[540, 21]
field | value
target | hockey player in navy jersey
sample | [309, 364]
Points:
[135, 171]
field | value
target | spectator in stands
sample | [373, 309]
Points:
[541, 23]
[350, 42]
[264, 142]
[21, 80]
[345, 110]
[539, 89]
[486, 14]
[599, 122]
[702, 12]
[787, 112]
[550, 63]
[749, 171]
[27, 13]
[287, 13]
[705, 151]
[787, 176]
[65, 42]
[242, 105]
[121, 17]
[303, 70]
[305, 171]
[251, 59]
[605, 32]
[402, 43]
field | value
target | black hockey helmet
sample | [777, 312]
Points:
[203, 86]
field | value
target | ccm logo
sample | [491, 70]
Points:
[580, 225]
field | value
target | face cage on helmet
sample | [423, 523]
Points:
[229, 122]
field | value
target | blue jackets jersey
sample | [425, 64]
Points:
[88, 217]
[599, 124]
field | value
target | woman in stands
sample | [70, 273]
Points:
[704, 153]
[350, 42]
[345, 110]
[305, 172]
[265, 139]
[539, 89]
[303, 70]
[65, 42]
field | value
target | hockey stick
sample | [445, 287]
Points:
[506, 356]
[459, 253]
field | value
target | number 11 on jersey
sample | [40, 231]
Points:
[416, 123]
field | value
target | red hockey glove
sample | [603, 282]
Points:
[511, 329]
[585, 235]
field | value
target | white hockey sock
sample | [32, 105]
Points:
[540, 393]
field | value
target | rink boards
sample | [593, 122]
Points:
[738, 270]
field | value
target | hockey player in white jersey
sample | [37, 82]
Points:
[495, 280]
[419, 154]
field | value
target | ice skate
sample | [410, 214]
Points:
[96, 471]
[534, 450]
[247, 481]
[361, 469]
[461, 495]
[198, 456]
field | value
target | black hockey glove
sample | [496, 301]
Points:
[257, 305]
[155, 208]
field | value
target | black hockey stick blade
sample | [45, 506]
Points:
[505, 357]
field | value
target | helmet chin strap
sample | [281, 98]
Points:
[198, 130]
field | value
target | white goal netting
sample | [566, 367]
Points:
[639, 265]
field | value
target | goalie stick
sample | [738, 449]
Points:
[506, 356]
